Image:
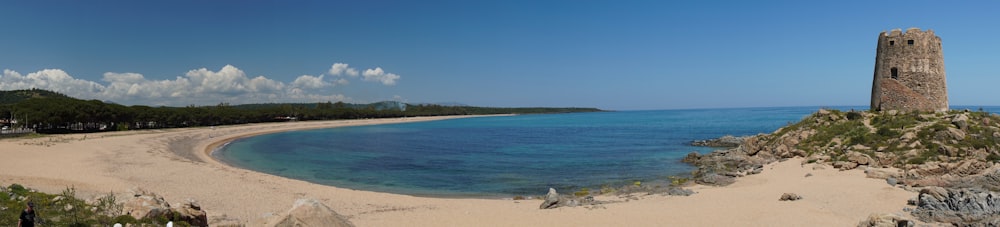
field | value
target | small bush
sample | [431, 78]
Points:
[854, 115]
[887, 133]
[993, 157]
[18, 189]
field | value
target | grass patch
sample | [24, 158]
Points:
[65, 209]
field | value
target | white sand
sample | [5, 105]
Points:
[116, 161]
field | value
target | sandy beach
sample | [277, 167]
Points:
[175, 164]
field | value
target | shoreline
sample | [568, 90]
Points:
[115, 161]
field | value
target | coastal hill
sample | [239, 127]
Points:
[950, 157]
[16, 96]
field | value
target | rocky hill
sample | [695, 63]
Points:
[946, 155]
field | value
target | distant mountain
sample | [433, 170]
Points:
[15, 96]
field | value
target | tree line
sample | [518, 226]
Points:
[50, 112]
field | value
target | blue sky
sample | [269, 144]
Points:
[619, 55]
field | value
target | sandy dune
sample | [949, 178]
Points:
[174, 164]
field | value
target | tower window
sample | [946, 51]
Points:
[909, 42]
[894, 73]
[891, 42]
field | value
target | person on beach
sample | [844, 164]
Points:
[27, 218]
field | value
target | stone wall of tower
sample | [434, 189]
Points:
[909, 72]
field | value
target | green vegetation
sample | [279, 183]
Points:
[64, 209]
[582, 192]
[905, 137]
[678, 181]
[51, 112]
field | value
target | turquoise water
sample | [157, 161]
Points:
[502, 156]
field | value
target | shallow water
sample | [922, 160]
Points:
[502, 156]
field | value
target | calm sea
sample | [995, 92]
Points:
[502, 156]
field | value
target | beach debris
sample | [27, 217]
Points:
[551, 200]
[789, 197]
[809, 174]
[960, 207]
[310, 212]
[885, 220]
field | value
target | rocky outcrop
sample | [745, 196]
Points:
[724, 141]
[988, 181]
[719, 168]
[147, 205]
[958, 150]
[960, 207]
[789, 197]
[310, 212]
[885, 220]
[961, 121]
[554, 200]
[678, 191]
[190, 211]
[881, 173]
[551, 200]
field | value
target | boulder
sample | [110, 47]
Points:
[961, 121]
[715, 180]
[908, 136]
[968, 167]
[789, 197]
[885, 220]
[190, 211]
[842, 165]
[145, 204]
[551, 200]
[310, 212]
[950, 134]
[691, 158]
[859, 158]
[960, 207]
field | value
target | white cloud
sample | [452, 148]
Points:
[50, 79]
[312, 82]
[199, 86]
[379, 75]
[342, 69]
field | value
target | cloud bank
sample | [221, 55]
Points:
[196, 87]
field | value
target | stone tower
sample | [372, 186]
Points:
[909, 72]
